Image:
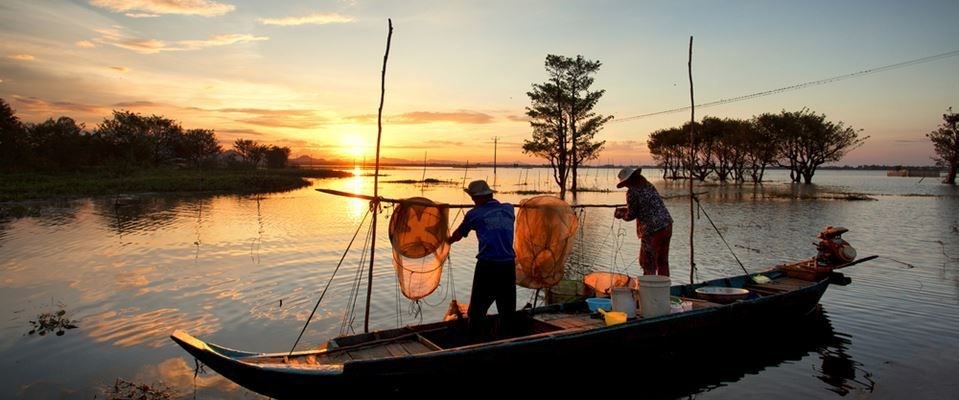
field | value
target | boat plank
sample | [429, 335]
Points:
[415, 347]
[576, 321]
[370, 353]
[397, 349]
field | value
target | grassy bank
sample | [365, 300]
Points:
[40, 186]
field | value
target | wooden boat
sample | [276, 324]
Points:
[395, 359]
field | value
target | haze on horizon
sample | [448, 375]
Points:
[306, 76]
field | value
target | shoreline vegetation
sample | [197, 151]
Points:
[28, 186]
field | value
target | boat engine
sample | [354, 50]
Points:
[833, 249]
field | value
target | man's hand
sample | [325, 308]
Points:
[620, 213]
[455, 237]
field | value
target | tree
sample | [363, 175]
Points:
[666, 146]
[138, 140]
[550, 139]
[59, 144]
[251, 151]
[946, 143]
[13, 139]
[807, 140]
[198, 146]
[584, 124]
[561, 115]
[276, 157]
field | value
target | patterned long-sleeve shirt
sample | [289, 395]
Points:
[645, 206]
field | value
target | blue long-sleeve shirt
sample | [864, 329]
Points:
[493, 222]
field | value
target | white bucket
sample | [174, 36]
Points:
[624, 301]
[653, 295]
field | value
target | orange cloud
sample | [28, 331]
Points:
[141, 15]
[425, 117]
[86, 44]
[121, 69]
[311, 19]
[205, 8]
[518, 118]
[23, 57]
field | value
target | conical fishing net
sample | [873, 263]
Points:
[545, 226]
[418, 232]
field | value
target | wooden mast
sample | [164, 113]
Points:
[692, 128]
[375, 204]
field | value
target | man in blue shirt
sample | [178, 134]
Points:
[495, 276]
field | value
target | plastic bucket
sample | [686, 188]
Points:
[654, 295]
[624, 301]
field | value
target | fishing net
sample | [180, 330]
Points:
[418, 232]
[544, 231]
[601, 282]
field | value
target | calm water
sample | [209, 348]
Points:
[245, 271]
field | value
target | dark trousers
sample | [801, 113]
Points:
[492, 281]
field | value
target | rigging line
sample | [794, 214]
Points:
[345, 252]
[700, 206]
[349, 315]
[797, 86]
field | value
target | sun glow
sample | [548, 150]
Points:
[353, 146]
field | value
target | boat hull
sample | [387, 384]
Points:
[522, 357]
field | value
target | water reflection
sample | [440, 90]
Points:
[173, 378]
[840, 371]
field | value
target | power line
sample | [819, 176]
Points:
[798, 86]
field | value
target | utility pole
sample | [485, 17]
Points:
[495, 140]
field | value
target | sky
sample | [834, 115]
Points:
[306, 74]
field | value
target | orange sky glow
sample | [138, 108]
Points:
[308, 76]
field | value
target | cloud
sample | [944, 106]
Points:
[425, 117]
[628, 146]
[205, 8]
[23, 57]
[518, 118]
[136, 104]
[114, 36]
[121, 69]
[311, 19]
[141, 15]
[36, 104]
[277, 118]
[86, 44]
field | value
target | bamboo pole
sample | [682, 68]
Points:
[376, 179]
[692, 128]
[423, 203]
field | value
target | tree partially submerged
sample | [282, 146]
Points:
[945, 140]
[562, 118]
[729, 148]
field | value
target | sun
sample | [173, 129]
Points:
[353, 145]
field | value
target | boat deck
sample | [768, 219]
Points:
[404, 342]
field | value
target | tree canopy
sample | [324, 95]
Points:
[562, 117]
[945, 140]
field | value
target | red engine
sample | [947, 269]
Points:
[833, 250]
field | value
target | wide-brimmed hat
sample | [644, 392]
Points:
[478, 188]
[626, 173]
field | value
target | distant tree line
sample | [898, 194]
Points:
[737, 150]
[126, 140]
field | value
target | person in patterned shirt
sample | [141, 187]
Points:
[654, 225]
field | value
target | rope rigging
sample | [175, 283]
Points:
[797, 86]
[327, 287]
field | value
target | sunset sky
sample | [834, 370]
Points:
[306, 74]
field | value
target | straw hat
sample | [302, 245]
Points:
[626, 173]
[478, 188]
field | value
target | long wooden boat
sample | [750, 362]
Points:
[398, 359]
